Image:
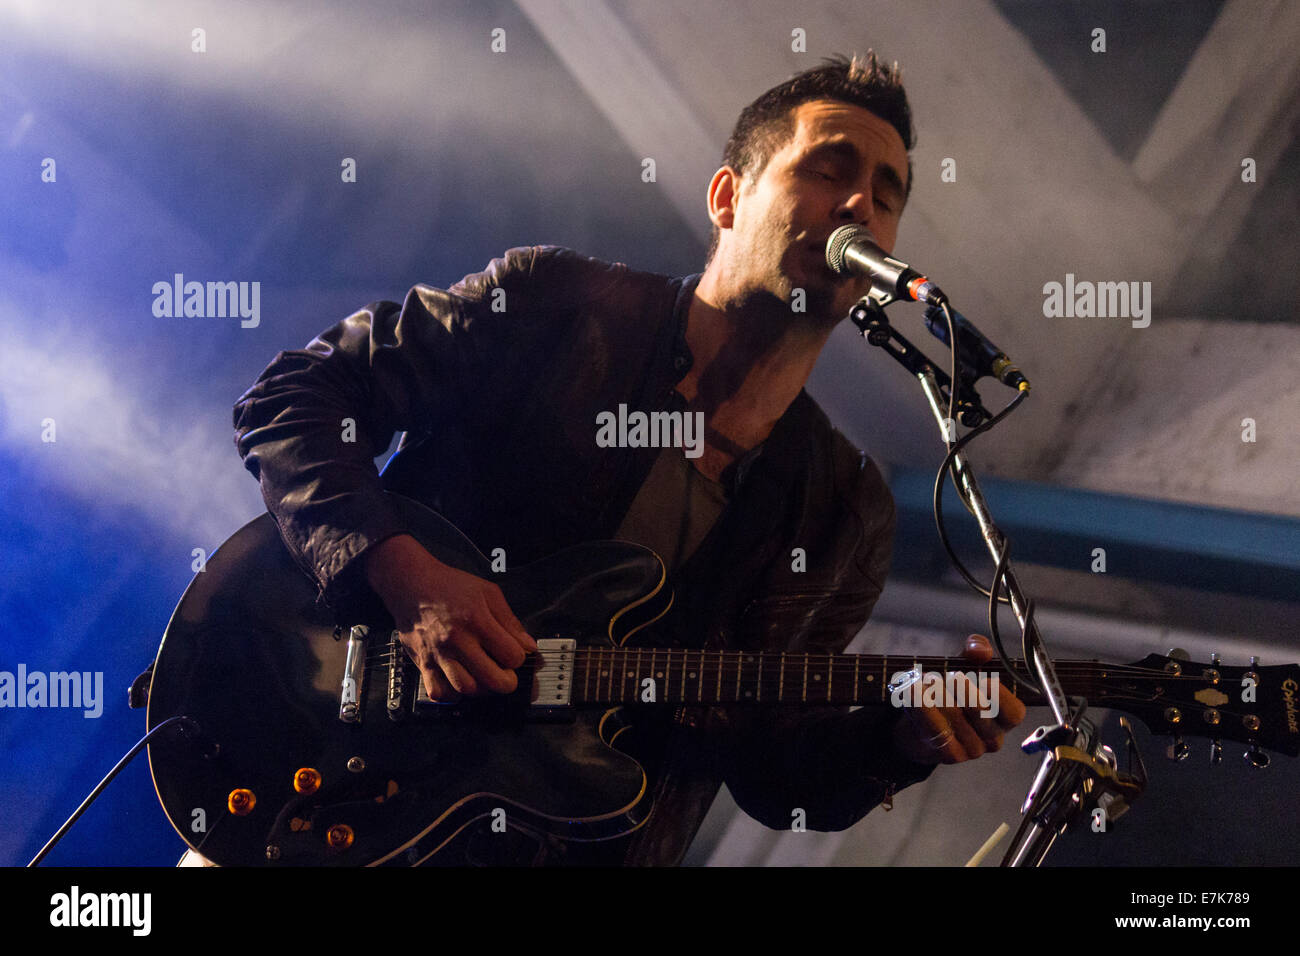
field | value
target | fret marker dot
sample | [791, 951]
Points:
[692, 673]
[817, 676]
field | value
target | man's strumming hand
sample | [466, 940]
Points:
[457, 628]
[957, 734]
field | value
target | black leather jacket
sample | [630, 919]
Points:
[496, 383]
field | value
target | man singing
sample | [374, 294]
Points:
[777, 534]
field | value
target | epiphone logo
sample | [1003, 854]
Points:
[1289, 687]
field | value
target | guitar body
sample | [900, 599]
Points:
[307, 742]
[250, 656]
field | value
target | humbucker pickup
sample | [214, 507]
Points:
[553, 673]
[549, 695]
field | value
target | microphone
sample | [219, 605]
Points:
[852, 250]
[980, 354]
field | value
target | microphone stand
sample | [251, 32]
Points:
[1078, 773]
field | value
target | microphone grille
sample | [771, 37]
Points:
[838, 242]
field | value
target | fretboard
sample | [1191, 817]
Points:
[683, 676]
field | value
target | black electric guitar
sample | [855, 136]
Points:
[318, 746]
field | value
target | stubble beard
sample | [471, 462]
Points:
[769, 296]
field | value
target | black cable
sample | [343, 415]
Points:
[999, 577]
[952, 394]
[121, 764]
[947, 467]
[938, 492]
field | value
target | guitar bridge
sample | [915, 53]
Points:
[397, 665]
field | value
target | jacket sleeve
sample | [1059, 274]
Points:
[312, 424]
[833, 764]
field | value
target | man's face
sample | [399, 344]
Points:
[843, 165]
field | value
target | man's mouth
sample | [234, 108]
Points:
[820, 250]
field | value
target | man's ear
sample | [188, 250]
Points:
[723, 188]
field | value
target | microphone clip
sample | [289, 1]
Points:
[868, 314]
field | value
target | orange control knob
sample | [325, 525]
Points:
[339, 836]
[306, 780]
[241, 802]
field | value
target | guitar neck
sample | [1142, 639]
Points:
[685, 676]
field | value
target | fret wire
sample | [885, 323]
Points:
[685, 653]
[666, 693]
[857, 660]
[638, 678]
[805, 677]
[780, 690]
[653, 678]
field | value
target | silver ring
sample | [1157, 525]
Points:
[939, 741]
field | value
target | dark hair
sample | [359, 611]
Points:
[767, 124]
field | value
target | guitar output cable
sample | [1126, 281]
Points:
[187, 725]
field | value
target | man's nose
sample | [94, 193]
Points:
[856, 208]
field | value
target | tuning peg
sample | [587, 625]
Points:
[1178, 654]
[1215, 660]
[1177, 750]
[1216, 752]
[1256, 757]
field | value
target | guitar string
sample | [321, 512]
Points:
[766, 673]
[1065, 669]
[841, 663]
[1109, 700]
